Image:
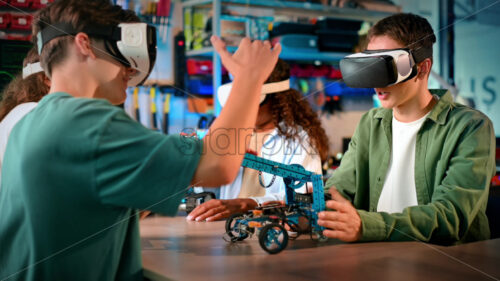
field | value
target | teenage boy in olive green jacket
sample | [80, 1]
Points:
[419, 168]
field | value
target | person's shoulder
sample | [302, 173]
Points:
[71, 102]
[64, 112]
[449, 111]
[73, 108]
[465, 114]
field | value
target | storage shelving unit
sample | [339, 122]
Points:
[285, 54]
[295, 8]
[303, 9]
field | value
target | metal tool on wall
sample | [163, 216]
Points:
[163, 11]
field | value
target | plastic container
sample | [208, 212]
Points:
[282, 28]
[335, 73]
[19, 37]
[5, 19]
[21, 22]
[21, 3]
[38, 4]
[306, 71]
[200, 86]
[339, 24]
[199, 67]
[340, 89]
[337, 40]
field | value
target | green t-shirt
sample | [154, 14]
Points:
[75, 172]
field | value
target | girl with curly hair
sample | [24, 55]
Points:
[288, 131]
[21, 96]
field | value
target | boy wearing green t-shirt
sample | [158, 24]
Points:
[76, 167]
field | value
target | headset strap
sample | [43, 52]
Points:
[62, 29]
[421, 54]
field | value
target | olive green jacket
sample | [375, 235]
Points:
[454, 164]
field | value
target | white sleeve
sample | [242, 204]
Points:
[269, 197]
[232, 190]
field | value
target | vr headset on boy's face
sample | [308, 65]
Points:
[381, 68]
[131, 44]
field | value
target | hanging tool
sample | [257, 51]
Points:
[163, 11]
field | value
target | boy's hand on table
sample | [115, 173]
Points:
[343, 222]
[216, 209]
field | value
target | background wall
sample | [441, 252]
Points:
[163, 71]
[477, 37]
[342, 124]
[477, 58]
[429, 9]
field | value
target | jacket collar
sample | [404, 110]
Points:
[438, 114]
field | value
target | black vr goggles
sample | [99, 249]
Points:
[381, 68]
[132, 44]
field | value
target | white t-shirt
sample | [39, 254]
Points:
[282, 150]
[399, 189]
[8, 123]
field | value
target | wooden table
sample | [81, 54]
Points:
[175, 249]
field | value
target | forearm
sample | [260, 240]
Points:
[446, 220]
[226, 142]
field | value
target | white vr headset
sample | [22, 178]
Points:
[381, 68]
[132, 44]
[31, 68]
[224, 90]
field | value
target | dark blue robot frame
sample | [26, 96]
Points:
[268, 222]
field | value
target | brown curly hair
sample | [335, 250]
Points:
[292, 110]
[30, 89]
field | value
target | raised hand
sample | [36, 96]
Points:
[251, 65]
[253, 59]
